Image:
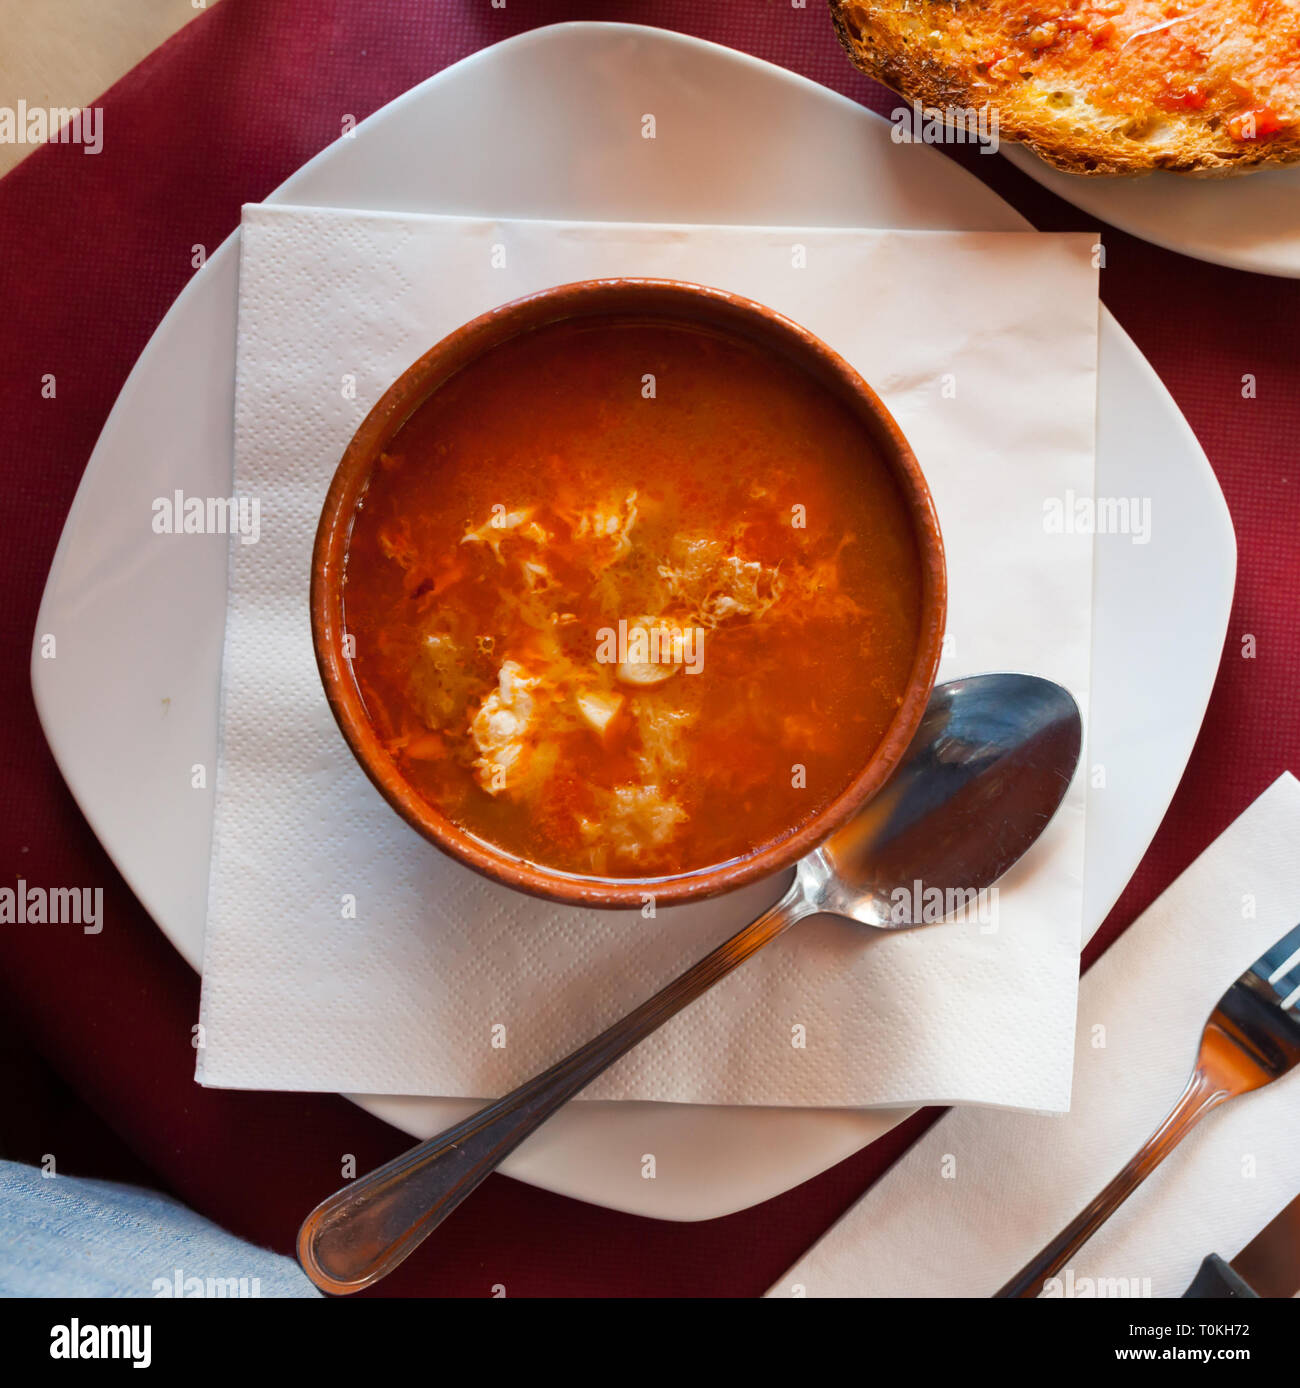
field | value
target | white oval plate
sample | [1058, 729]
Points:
[1247, 222]
[537, 127]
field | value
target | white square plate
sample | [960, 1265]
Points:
[548, 125]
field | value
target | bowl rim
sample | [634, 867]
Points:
[665, 299]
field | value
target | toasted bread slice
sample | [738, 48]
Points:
[1099, 86]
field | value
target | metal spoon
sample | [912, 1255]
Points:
[988, 767]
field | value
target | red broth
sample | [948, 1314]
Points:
[631, 598]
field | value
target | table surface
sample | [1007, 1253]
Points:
[66, 52]
[92, 253]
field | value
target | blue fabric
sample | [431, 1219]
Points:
[66, 1236]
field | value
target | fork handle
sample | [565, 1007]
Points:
[1201, 1095]
[361, 1232]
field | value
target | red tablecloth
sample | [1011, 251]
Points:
[93, 252]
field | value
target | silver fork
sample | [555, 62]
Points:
[1251, 1039]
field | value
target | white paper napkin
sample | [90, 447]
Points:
[982, 1192]
[983, 346]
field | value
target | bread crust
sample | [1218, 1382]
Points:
[911, 46]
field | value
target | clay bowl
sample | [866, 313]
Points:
[661, 299]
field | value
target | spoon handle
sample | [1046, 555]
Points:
[361, 1232]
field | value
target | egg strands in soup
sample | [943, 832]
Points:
[631, 598]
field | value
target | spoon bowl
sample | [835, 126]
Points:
[986, 770]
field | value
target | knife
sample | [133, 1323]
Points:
[1268, 1266]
